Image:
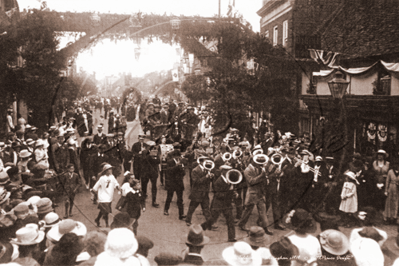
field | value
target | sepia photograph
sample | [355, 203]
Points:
[187, 132]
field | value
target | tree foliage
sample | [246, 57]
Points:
[33, 40]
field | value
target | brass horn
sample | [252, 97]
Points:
[261, 159]
[237, 154]
[256, 152]
[208, 165]
[234, 176]
[227, 156]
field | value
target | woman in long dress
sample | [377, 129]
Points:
[391, 191]
[380, 167]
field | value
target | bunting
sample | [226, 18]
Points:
[327, 59]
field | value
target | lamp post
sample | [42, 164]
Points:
[338, 86]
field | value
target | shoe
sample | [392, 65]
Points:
[268, 232]
[182, 217]
[242, 228]
[279, 227]
[66, 217]
[166, 213]
[188, 223]
[97, 223]
[232, 240]
[94, 202]
[155, 205]
[70, 215]
[214, 227]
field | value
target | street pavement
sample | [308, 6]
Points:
[167, 232]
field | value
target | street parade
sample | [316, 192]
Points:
[162, 159]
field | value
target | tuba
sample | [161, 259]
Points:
[261, 159]
[234, 176]
[237, 154]
[227, 156]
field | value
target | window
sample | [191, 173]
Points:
[275, 35]
[267, 34]
[285, 33]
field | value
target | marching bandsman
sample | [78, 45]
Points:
[190, 121]
[100, 137]
[221, 203]
[256, 177]
[175, 173]
[149, 172]
[328, 180]
[199, 195]
[137, 150]
[165, 114]
[111, 122]
[88, 150]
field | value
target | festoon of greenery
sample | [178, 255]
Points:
[33, 37]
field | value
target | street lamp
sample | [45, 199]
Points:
[338, 86]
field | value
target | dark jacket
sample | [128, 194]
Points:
[200, 184]
[134, 203]
[256, 184]
[70, 184]
[99, 140]
[174, 176]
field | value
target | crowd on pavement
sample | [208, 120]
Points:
[304, 190]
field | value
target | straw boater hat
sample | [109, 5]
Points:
[241, 254]
[383, 153]
[24, 154]
[334, 242]
[51, 219]
[66, 226]
[28, 235]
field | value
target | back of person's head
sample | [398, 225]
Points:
[367, 252]
[145, 244]
[372, 233]
[94, 242]
[67, 249]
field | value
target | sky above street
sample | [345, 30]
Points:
[108, 58]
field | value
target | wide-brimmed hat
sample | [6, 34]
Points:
[44, 205]
[24, 154]
[256, 237]
[28, 235]
[106, 167]
[39, 142]
[51, 219]
[33, 200]
[382, 152]
[4, 195]
[196, 236]
[30, 141]
[21, 208]
[319, 159]
[302, 220]
[334, 242]
[352, 176]
[121, 243]
[4, 179]
[241, 254]
[67, 226]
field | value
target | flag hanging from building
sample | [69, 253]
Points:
[327, 59]
[175, 75]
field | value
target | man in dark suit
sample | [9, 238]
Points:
[90, 121]
[196, 240]
[137, 150]
[165, 114]
[256, 178]
[221, 203]
[70, 183]
[174, 181]
[111, 122]
[199, 191]
[100, 137]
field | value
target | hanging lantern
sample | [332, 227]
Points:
[338, 86]
[175, 23]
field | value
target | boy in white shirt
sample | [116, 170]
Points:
[104, 188]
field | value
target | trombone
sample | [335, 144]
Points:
[306, 168]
